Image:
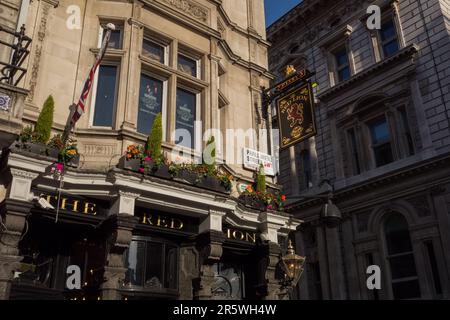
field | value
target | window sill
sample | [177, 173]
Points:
[110, 53]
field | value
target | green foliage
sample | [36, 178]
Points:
[153, 146]
[261, 180]
[45, 121]
[27, 135]
[209, 155]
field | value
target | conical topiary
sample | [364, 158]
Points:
[261, 180]
[209, 155]
[45, 121]
[153, 146]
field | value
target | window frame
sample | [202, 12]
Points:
[160, 42]
[338, 68]
[194, 57]
[119, 27]
[391, 141]
[388, 256]
[163, 290]
[94, 95]
[198, 112]
[165, 99]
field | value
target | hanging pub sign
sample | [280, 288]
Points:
[296, 118]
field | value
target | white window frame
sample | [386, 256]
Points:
[100, 35]
[159, 43]
[165, 94]
[197, 60]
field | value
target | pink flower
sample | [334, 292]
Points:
[147, 159]
[141, 170]
[270, 207]
[59, 167]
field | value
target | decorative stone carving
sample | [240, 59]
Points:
[20, 187]
[190, 8]
[42, 28]
[5, 102]
[99, 150]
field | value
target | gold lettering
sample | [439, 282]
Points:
[250, 237]
[229, 233]
[176, 224]
[73, 205]
[162, 222]
[241, 235]
[90, 208]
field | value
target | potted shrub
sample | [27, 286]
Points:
[55, 146]
[188, 174]
[69, 154]
[35, 140]
[153, 149]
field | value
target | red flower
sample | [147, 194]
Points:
[283, 198]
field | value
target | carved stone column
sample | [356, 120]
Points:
[120, 227]
[209, 245]
[274, 290]
[11, 229]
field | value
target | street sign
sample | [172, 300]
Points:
[253, 159]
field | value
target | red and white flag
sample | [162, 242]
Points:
[81, 105]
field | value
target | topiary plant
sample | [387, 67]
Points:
[44, 123]
[153, 145]
[209, 155]
[261, 180]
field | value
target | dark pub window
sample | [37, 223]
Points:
[185, 118]
[389, 39]
[354, 151]
[381, 142]
[115, 41]
[154, 51]
[405, 282]
[342, 65]
[106, 96]
[151, 265]
[150, 103]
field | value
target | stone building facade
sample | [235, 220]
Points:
[382, 148]
[137, 237]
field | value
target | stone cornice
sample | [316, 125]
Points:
[404, 54]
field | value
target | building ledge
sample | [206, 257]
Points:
[386, 64]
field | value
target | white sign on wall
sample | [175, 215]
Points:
[253, 158]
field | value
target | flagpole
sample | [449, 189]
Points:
[77, 110]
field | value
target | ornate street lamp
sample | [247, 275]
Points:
[292, 266]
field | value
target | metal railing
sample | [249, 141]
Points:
[12, 71]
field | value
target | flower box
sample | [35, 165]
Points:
[130, 164]
[53, 152]
[188, 176]
[162, 171]
[212, 183]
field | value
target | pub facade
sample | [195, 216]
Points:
[130, 235]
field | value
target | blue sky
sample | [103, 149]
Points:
[276, 8]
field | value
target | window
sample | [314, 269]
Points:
[342, 65]
[116, 39]
[188, 65]
[186, 114]
[151, 265]
[405, 283]
[389, 39]
[105, 98]
[354, 151]
[150, 102]
[154, 51]
[381, 142]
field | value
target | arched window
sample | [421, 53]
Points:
[400, 255]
